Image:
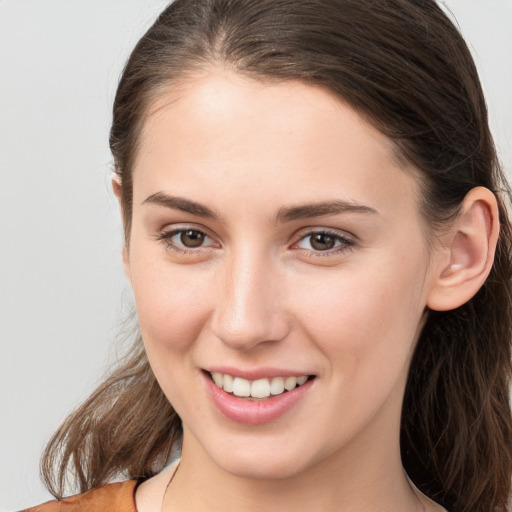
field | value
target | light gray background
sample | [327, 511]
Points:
[61, 283]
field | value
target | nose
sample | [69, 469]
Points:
[250, 308]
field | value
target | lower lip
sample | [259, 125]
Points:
[258, 412]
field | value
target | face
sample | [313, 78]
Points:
[275, 237]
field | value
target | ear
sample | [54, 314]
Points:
[116, 186]
[117, 189]
[468, 252]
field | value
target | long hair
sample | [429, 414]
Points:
[405, 68]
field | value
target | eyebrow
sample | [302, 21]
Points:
[285, 214]
[182, 204]
[305, 211]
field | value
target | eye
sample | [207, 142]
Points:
[324, 241]
[190, 238]
[186, 239]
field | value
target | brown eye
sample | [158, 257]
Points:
[322, 241]
[318, 242]
[187, 240]
[192, 238]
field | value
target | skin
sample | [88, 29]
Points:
[256, 294]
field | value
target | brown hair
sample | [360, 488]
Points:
[403, 66]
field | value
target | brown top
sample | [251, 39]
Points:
[117, 497]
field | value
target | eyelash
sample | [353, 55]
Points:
[345, 243]
[166, 238]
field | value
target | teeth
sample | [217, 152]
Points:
[241, 387]
[227, 383]
[261, 388]
[290, 383]
[277, 386]
[217, 378]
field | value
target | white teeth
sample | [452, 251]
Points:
[290, 383]
[227, 383]
[217, 378]
[261, 388]
[277, 386]
[241, 387]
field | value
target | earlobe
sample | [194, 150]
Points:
[471, 244]
[126, 264]
[116, 186]
[117, 189]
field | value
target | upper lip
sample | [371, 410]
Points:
[256, 373]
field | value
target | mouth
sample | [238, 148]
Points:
[259, 389]
[262, 400]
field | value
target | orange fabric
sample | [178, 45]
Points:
[117, 497]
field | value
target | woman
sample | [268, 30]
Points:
[318, 247]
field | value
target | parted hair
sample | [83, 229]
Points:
[403, 65]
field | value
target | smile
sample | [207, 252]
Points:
[258, 400]
[260, 388]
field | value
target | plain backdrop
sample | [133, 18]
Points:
[62, 291]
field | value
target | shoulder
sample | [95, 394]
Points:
[117, 497]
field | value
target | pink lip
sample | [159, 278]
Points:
[250, 412]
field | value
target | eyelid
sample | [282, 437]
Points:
[311, 230]
[166, 234]
[348, 241]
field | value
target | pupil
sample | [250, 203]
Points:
[322, 241]
[192, 238]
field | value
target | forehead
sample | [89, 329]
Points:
[223, 129]
[216, 99]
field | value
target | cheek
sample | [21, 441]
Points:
[171, 302]
[365, 321]
[171, 309]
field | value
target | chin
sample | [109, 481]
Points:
[256, 459]
[254, 468]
